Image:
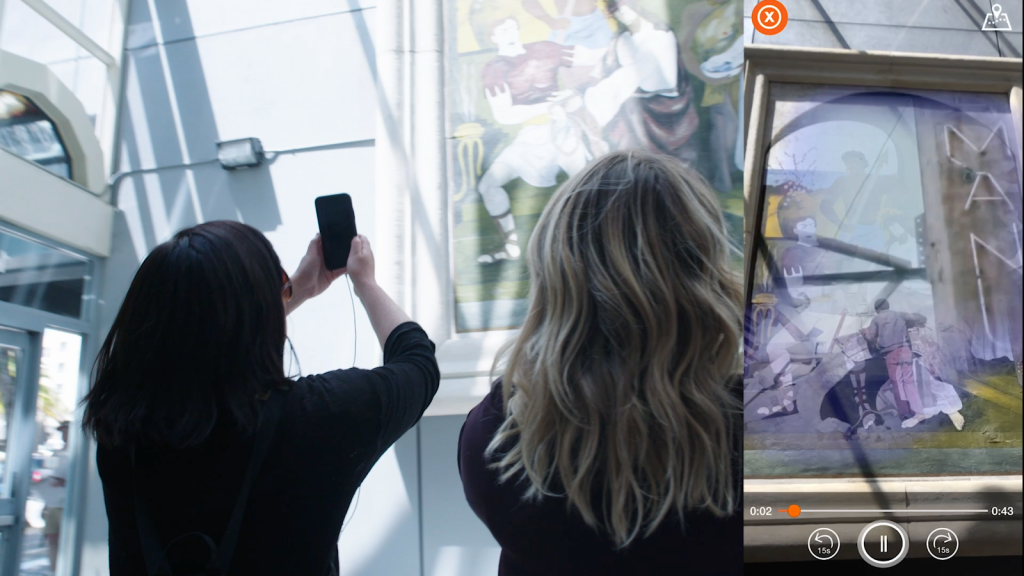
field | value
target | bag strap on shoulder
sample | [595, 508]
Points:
[156, 555]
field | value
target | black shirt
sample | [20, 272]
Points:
[542, 539]
[332, 429]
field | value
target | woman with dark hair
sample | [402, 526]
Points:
[612, 444]
[214, 462]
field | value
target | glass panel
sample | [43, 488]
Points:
[885, 323]
[8, 385]
[41, 277]
[26, 131]
[51, 457]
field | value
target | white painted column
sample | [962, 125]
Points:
[433, 299]
[412, 198]
[392, 187]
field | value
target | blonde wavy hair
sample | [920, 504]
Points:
[619, 379]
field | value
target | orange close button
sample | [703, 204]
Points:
[769, 17]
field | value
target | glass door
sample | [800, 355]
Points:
[16, 379]
[46, 312]
[39, 387]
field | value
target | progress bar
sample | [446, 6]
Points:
[896, 511]
[795, 511]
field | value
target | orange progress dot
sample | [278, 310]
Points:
[794, 510]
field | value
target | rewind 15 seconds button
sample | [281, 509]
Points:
[823, 544]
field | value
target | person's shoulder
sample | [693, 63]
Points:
[543, 45]
[494, 402]
[499, 62]
[547, 49]
[111, 460]
[337, 391]
[487, 416]
[482, 423]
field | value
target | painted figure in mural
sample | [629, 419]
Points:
[521, 86]
[586, 27]
[806, 319]
[578, 22]
[855, 202]
[856, 210]
[645, 99]
[887, 332]
[935, 394]
[854, 347]
[711, 42]
[803, 258]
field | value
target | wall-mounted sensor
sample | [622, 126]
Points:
[243, 153]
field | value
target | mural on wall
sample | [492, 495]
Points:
[886, 311]
[536, 89]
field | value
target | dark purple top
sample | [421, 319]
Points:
[540, 539]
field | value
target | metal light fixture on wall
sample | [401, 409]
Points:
[242, 153]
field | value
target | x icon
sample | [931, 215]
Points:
[770, 17]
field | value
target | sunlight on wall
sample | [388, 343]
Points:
[385, 496]
[464, 561]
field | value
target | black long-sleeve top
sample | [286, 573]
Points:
[332, 429]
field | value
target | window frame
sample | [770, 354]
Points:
[31, 190]
[786, 539]
[40, 85]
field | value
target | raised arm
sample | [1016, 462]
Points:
[871, 332]
[583, 56]
[912, 319]
[384, 314]
[505, 112]
[392, 397]
[312, 278]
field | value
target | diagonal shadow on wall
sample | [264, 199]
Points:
[168, 121]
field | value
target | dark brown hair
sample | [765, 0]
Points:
[199, 336]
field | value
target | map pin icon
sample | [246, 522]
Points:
[996, 10]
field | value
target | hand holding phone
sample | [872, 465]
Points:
[360, 264]
[337, 223]
[312, 277]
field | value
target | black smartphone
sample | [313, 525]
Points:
[337, 228]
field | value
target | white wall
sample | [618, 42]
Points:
[455, 542]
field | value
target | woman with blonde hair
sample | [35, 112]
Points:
[612, 443]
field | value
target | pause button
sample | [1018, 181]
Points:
[883, 544]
